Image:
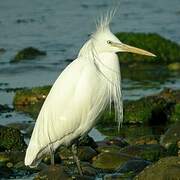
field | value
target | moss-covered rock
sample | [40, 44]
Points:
[147, 110]
[174, 66]
[11, 139]
[175, 116]
[154, 110]
[30, 100]
[54, 172]
[165, 50]
[110, 160]
[28, 53]
[165, 168]
[171, 138]
[150, 152]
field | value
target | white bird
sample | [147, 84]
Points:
[80, 95]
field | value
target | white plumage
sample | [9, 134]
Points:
[79, 95]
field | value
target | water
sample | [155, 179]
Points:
[61, 27]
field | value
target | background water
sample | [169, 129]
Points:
[61, 27]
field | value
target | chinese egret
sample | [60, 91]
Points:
[80, 94]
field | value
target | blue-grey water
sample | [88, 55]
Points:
[61, 27]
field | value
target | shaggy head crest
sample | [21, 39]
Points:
[103, 22]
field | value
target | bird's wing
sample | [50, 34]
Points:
[67, 104]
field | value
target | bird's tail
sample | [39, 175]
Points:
[31, 158]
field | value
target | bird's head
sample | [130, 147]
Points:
[105, 41]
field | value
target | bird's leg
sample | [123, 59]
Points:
[76, 159]
[52, 155]
[52, 158]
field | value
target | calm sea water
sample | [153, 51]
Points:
[61, 27]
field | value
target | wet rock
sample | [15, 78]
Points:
[11, 139]
[10, 158]
[86, 153]
[171, 138]
[65, 153]
[133, 166]
[151, 109]
[110, 160]
[108, 148]
[2, 50]
[150, 152]
[148, 139]
[88, 141]
[174, 66]
[47, 159]
[30, 100]
[148, 110]
[5, 108]
[118, 176]
[18, 125]
[78, 177]
[118, 141]
[28, 53]
[55, 172]
[88, 169]
[5, 172]
[165, 50]
[165, 168]
[170, 95]
[175, 116]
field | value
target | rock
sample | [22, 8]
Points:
[165, 168]
[174, 66]
[108, 148]
[171, 138]
[18, 125]
[88, 169]
[10, 158]
[150, 152]
[147, 139]
[110, 160]
[118, 141]
[86, 153]
[88, 141]
[30, 100]
[5, 108]
[133, 166]
[2, 50]
[53, 172]
[117, 176]
[78, 177]
[148, 110]
[11, 139]
[175, 116]
[28, 53]
[5, 172]
[152, 109]
[166, 51]
[47, 159]
[65, 153]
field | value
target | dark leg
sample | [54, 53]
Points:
[76, 159]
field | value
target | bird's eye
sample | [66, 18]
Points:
[109, 42]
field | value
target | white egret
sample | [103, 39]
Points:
[80, 94]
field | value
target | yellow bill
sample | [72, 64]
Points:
[131, 49]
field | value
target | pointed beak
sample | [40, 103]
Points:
[131, 49]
